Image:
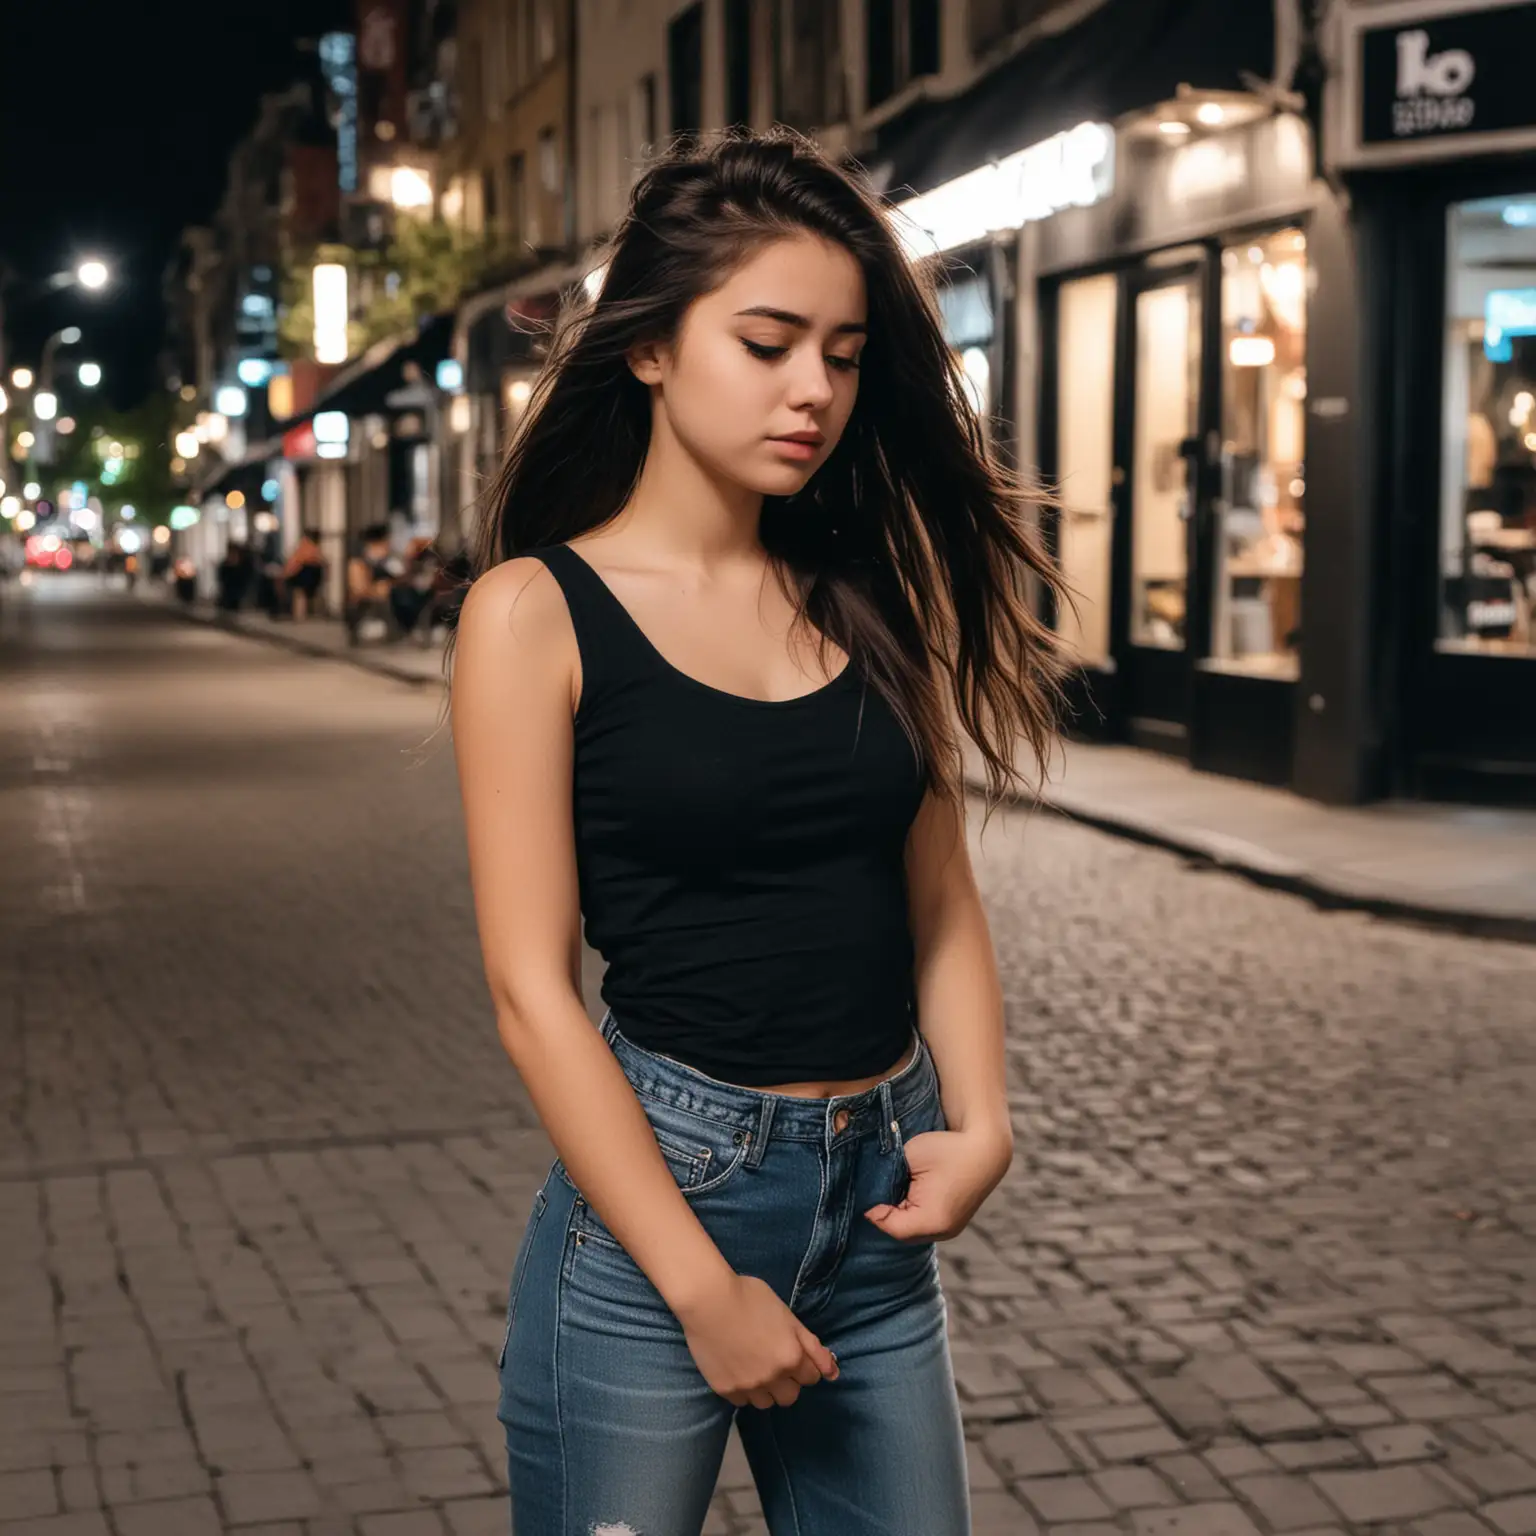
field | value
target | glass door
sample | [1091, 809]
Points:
[1158, 439]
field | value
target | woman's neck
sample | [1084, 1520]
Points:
[684, 511]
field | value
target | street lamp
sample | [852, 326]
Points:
[45, 405]
[90, 375]
[22, 378]
[92, 274]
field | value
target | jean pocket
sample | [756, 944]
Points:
[927, 1115]
[519, 1269]
[702, 1155]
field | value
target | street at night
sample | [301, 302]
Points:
[768, 768]
[1266, 1260]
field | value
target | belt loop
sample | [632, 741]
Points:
[609, 1026]
[887, 1115]
[760, 1135]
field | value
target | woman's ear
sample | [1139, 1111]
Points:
[645, 362]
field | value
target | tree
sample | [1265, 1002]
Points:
[140, 474]
[428, 267]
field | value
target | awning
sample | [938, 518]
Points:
[364, 387]
[246, 475]
[241, 474]
[1125, 55]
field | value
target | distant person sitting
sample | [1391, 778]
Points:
[371, 575]
[303, 573]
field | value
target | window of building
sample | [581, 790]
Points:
[685, 70]
[488, 205]
[493, 63]
[547, 38]
[549, 160]
[1085, 416]
[901, 45]
[808, 54]
[1487, 573]
[1256, 612]
[738, 62]
[518, 220]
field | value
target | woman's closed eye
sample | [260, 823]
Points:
[767, 353]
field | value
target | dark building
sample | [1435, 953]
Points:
[1431, 127]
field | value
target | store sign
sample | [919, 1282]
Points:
[1455, 72]
[1071, 170]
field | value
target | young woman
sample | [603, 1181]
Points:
[747, 578]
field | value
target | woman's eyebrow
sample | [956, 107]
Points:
[788, 317]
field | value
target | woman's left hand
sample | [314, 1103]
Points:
[952, 1173]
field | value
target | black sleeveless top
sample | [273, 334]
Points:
[740, 861]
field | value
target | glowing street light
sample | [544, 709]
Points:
[21, 378]
[31, 490]
[45, 405]
[187, 445]
[90, 375]
[92, 274]
[410, 188]
[25, 439]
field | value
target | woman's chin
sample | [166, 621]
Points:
[777, 479]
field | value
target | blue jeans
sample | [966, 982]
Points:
[612, 1431]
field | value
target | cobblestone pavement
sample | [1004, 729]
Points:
[1266, 1261]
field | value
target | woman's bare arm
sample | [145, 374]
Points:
[960, 1011]
[959, 996]
[515, 682]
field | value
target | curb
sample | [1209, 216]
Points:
[1261, 866]
[354, 656]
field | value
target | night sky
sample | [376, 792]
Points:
[116, 122]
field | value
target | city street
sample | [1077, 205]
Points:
[1266, 1261]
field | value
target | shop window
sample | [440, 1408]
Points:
[1260, 520]
[1488, 459]
[1167, 419]
[1085, 349]
[965, 307]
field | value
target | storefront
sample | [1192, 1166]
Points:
[1134, 250]
[1433, 123]
[1172, 386]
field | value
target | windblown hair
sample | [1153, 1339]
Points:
[909, 548]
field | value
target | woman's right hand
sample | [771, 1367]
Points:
[751, 1348]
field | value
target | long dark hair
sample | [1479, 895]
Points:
[909, 548]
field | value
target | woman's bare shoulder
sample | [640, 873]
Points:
[517, 603]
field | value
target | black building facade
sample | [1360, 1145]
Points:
[1431, 132]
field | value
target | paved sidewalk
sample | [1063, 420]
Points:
[1468, 867]
[407, 661]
